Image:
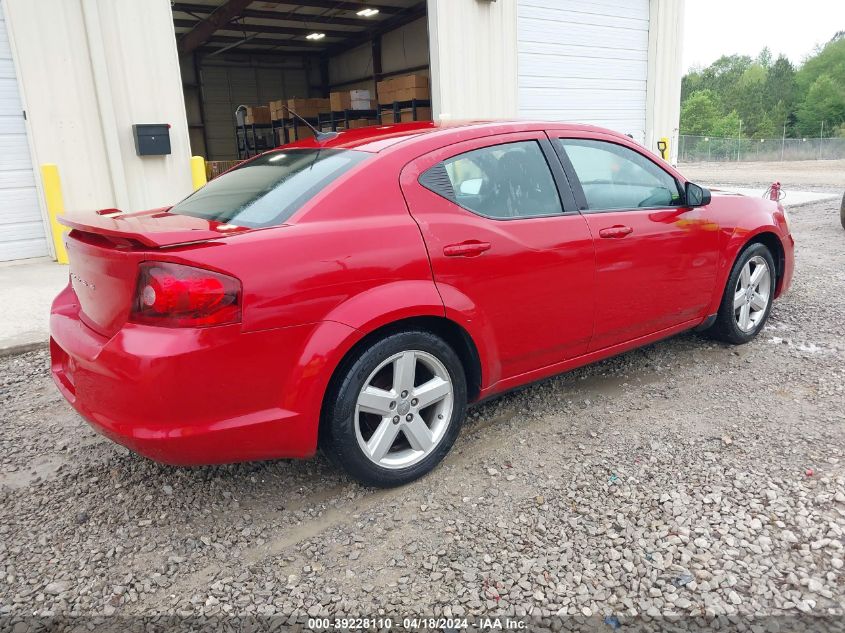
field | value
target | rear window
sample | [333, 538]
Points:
[268, 190]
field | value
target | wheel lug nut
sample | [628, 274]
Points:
[409, 417]
[414, 402]
[393, 405]
[395, 419]
[404, 394]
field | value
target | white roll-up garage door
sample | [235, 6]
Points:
[584, 61]
[22, 232]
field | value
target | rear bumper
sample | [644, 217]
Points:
[191, 396]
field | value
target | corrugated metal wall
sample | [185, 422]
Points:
[611, 62]
[225, 85]
[401, 49]
[584, 61]
[22, 231]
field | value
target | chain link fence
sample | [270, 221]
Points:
[694, 149]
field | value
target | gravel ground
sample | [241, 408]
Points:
[684, 480]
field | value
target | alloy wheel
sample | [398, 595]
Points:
[404, 409]
[752, 293]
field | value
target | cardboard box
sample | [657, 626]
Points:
[308, 108]
[354, 124]
[424, 114]
[408, 94]
[340, 101]
[277, 110]
[411, 81]
[351, 100]
[404, 88]
[404, 94]
[405, 116]
[300, 106]
[302, 132]
[257, 114]
[385, 89]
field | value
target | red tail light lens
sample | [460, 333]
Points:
[173, 295]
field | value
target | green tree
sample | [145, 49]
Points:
[727, 126]
[766, 95]
[700, 112]
[766, 128]
[780, 89]
[824, 104]
[829, 60]
[691, 82]
[722, 75]
[748, 97]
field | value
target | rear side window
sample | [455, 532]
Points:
[616, 177]
[269, 190]
[506, 181]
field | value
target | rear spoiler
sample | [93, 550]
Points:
[164, 229]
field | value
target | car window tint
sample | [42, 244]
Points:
[268, 190]
[512, 180]
[616, 177]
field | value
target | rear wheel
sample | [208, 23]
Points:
[394, 410]
[748, 297]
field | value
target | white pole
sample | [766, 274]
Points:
[783, 143]
[739, 141]
[821, 140]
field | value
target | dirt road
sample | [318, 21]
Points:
[822, 175]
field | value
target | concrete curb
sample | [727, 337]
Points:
[22, 348]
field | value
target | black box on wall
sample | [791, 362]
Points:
[151, 139]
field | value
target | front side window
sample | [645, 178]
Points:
[507, 181]
[616, 177]
[268, 190]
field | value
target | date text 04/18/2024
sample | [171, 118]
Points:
[416, 623]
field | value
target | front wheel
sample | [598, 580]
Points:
[394, 411]
[748, 297]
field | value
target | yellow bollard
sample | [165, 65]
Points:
[198, 171]
[55, 207]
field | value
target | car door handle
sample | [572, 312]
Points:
[616, 231]
[469, 248]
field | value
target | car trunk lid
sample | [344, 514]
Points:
[156, 228]
[105, 249]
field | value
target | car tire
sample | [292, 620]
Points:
[842, 212]
[387, 425]
[746, 302]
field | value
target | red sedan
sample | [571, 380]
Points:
[357, 292]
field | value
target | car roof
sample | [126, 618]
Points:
[376, 138]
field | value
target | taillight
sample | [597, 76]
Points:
[174, 295]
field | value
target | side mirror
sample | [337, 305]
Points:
[697, 196]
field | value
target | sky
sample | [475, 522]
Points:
[713, 28]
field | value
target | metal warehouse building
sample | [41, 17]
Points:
[77, 75]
